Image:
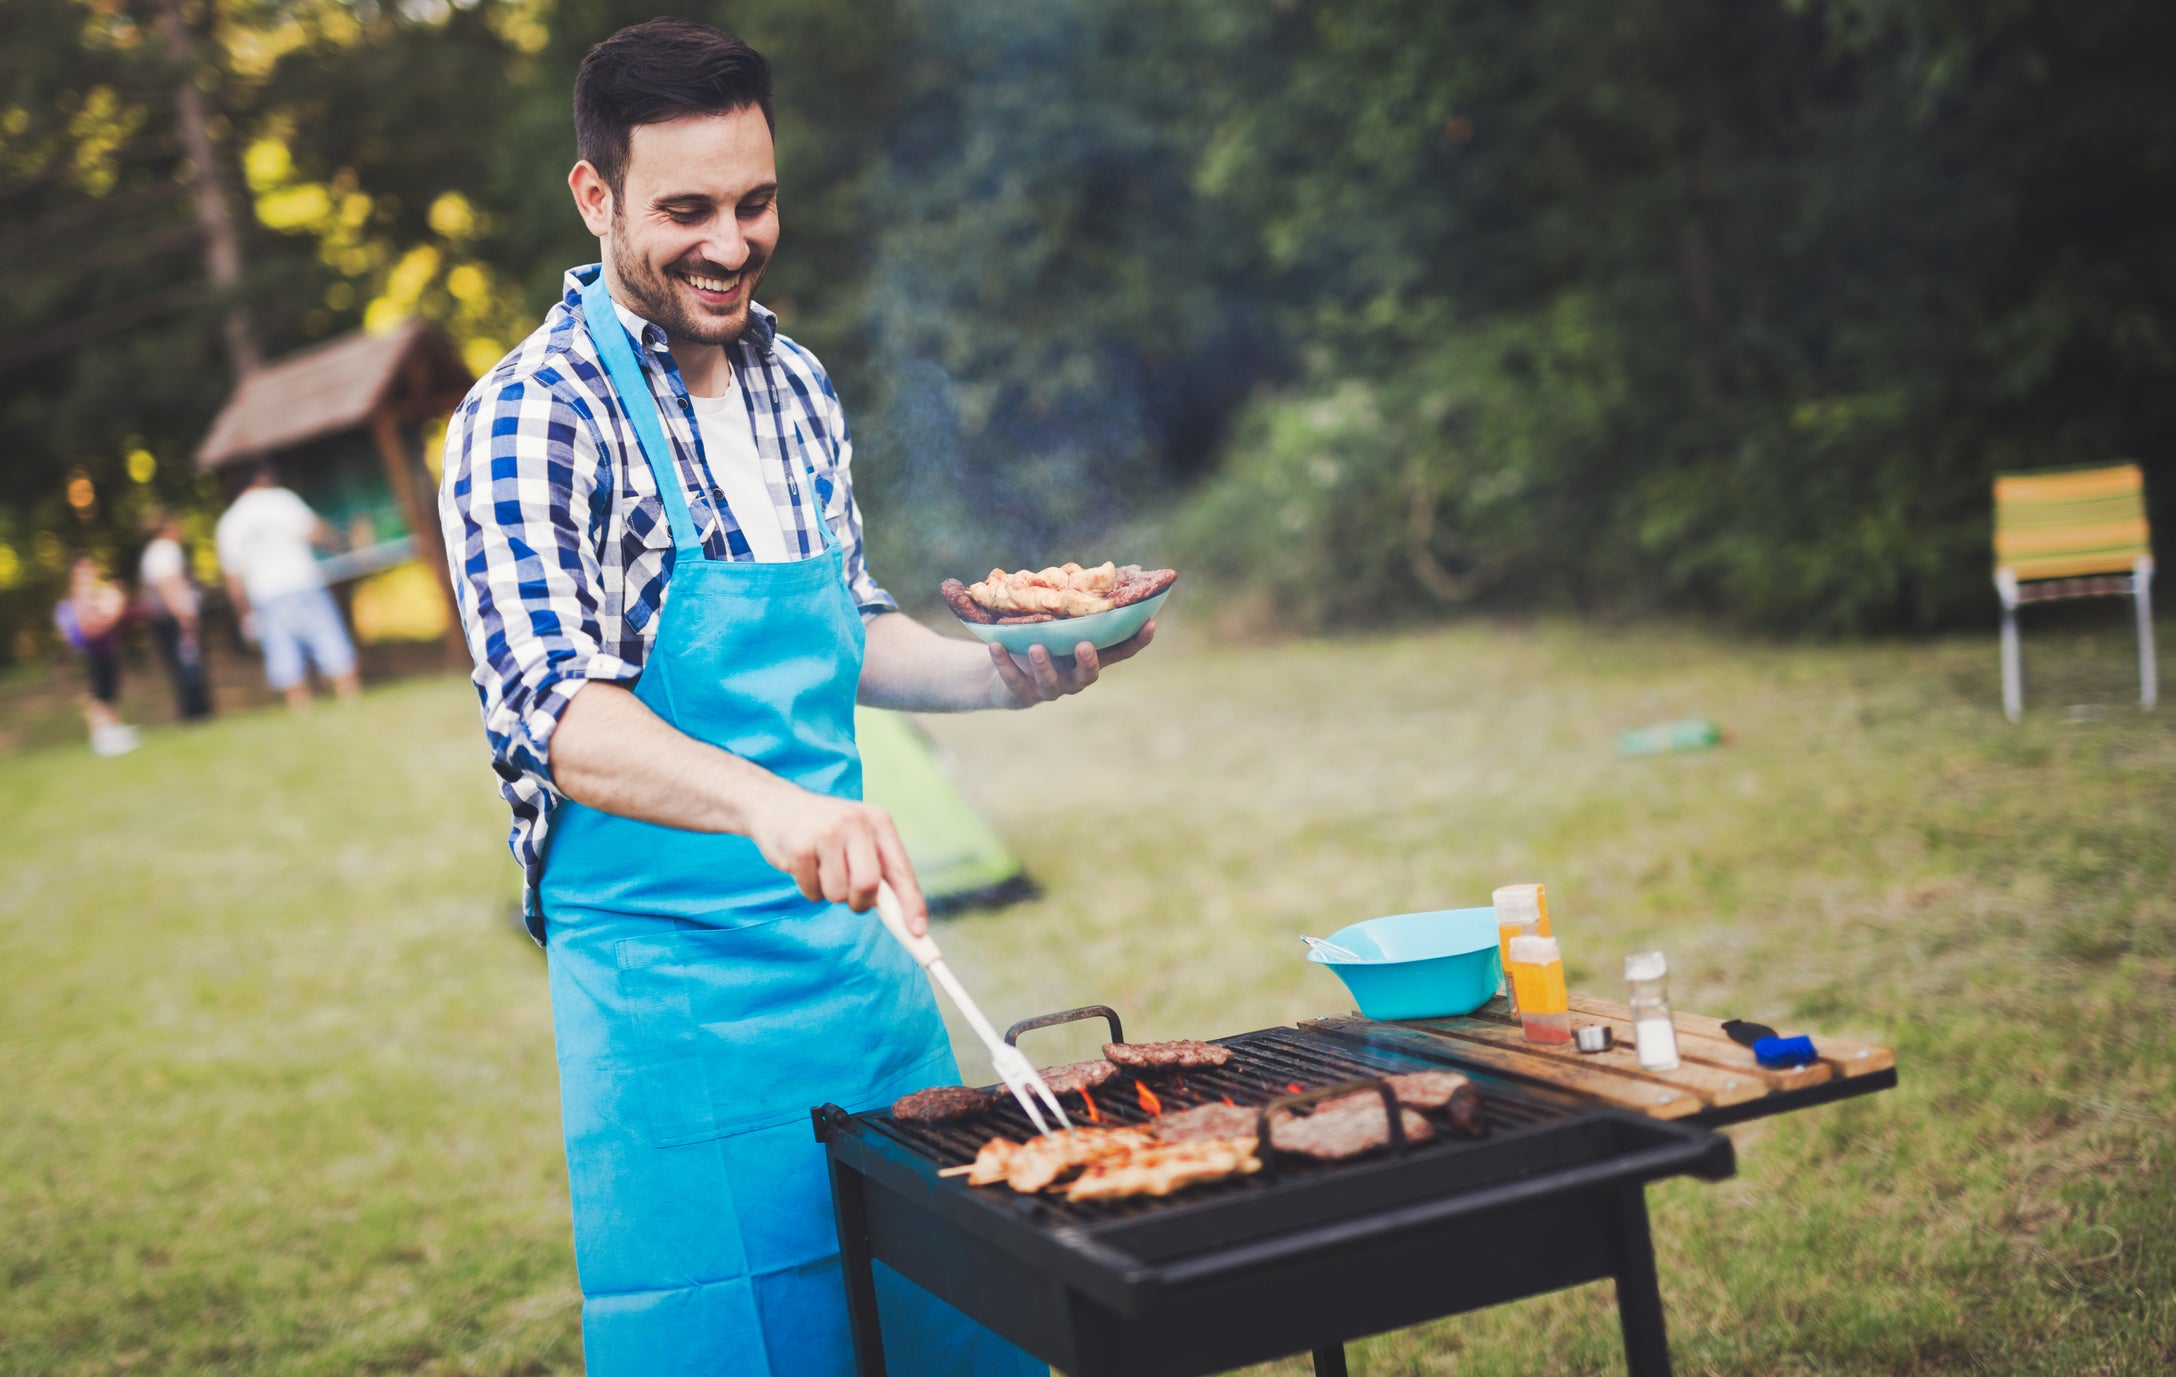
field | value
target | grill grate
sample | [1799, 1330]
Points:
[1270, 1064]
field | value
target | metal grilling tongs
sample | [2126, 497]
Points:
[1013, 1066]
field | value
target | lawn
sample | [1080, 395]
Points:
[277, 1078]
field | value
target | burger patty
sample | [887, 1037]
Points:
[1348, 1126]
[942, 1104]
[1078, 1075]
[1206, 1123]
[1183, 1054]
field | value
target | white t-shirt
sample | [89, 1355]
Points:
[264, 540]
[162, 561]
[729, 444]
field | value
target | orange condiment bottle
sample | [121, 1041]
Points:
[1526, 900]
[1521, 911]
[1537, 975]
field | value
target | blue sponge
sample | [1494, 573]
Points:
[1778, 1053]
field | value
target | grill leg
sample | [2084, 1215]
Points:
[1639, 1294]
[853, 1221]
[1330, 1361]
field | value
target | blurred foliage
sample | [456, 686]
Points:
[1377, 307]
[1734, 306]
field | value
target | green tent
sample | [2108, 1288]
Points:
[960, 859]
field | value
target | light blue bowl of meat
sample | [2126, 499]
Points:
[1419, 965]
[1064, 635]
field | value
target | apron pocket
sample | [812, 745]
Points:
[737, 1029]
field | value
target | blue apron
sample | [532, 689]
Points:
[701, 1005]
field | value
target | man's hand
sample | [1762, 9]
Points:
[1041, 677]
[838, 850]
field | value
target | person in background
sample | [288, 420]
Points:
[170, 606]
[264, 542]
[89, 619]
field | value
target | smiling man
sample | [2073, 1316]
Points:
[650, 515]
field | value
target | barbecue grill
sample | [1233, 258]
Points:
[1300, 1257]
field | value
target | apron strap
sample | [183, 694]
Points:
[633, 388]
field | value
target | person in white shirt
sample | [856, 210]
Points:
[265, 541]
[170, 607]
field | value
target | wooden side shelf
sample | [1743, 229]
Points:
[1715, 1077]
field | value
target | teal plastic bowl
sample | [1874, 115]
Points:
[1419, 965]
[1099, 629]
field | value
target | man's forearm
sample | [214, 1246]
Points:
[910, 668]
[615, 755]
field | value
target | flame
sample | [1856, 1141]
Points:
[1149, 1101]
[1228, 1100]
[1293, 1088]
[1095, 1116]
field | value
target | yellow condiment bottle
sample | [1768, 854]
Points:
[1537, 976]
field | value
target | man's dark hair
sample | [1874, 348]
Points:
[657, 71]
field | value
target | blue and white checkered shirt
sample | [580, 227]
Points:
[559, 546]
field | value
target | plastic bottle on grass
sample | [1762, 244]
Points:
[1690, 734]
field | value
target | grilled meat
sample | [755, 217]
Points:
[1206, 1122]
[1065, 590]
[1050, 1157]
[942, 1104]
[1346, 1127]
[1181, 1055]
[1162, 1170]
[1136, 584]
[992, 1162]
[1042, 595]
[964, 606]
[1446, 1091]
[1078, 1075]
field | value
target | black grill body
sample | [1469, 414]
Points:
[1300, 1257]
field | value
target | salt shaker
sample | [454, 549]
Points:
[1647, 990]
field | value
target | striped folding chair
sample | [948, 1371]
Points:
[2072, 533]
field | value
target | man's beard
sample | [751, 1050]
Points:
[657, 296]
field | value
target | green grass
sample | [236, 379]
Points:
[276, 1085]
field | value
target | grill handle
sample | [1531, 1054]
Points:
[1029, 1025]
[1268, 1151]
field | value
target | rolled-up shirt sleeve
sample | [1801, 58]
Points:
[520, 505]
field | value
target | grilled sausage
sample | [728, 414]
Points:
[963, 606]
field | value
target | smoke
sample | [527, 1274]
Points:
[1055, 336]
